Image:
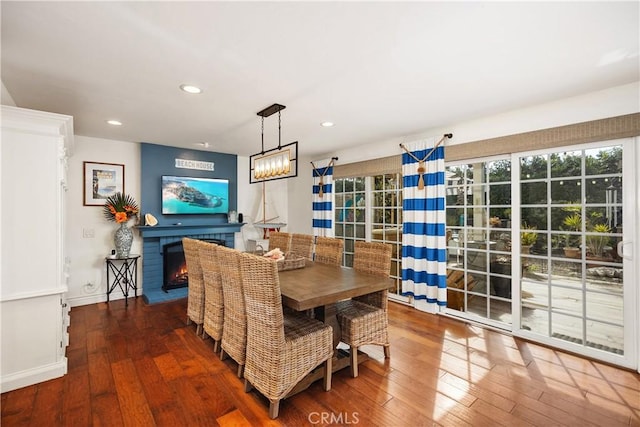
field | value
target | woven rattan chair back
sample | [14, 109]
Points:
[263, 303]
[329, 250]
[373, 258]
[281, 349]
[213, 300]
[302, 245]
[364, 320]
[234, 332]
[195, 293]
[279, 239]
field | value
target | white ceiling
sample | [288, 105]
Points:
[379, 70]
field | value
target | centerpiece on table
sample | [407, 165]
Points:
[121, 208]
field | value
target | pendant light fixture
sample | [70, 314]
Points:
[276, 163]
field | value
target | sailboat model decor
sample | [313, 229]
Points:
[267, 217]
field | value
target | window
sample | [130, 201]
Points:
[370, 208]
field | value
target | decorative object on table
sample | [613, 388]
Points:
[275, 254]
[101, 181]
[150, 220]
[121, 208]
[291, 262]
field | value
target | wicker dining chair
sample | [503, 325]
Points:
[213, 320]
[281, 348]
[280, 239]
[195, 293]
[302, 245]
[329, 250]
[234, 332]
[364, 320]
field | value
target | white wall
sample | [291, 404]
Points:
[87, 283]
[612, 102]
[6, 98]
[616, 101]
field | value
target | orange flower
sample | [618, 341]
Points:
[121, 217]
[120, 208]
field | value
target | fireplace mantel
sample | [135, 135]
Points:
[187, 230]
[153, 240]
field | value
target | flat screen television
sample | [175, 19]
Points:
[186, 195]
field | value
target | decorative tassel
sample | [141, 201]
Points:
[421, 171]
[320, 193]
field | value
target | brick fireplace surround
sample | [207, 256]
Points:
[154, 239]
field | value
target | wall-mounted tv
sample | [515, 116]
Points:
[186, 195]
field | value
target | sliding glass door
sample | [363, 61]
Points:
[574, 289]
[537, 245]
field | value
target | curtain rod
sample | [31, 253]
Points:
[445, 136]
[332, 160]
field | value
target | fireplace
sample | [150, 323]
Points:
[174, 265]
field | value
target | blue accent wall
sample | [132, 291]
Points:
[159, 160]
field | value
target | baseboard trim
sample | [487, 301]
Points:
[33, 376]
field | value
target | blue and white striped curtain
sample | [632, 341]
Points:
[323, 201]
[424, 264]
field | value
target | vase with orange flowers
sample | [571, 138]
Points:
[121, 208]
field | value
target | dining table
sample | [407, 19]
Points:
[319, 287]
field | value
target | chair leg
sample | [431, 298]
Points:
[199, 329]
[353, 353]
[387, 351]
[188, 320]
[247, 386]
[222, 354]
[240, 371]
[216, 346]
[204, 334]
[274, 406]
[328, 371]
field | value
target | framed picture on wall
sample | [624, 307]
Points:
[102, 180]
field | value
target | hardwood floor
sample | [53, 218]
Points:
[143, 366]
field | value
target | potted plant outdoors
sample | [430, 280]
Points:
[574, 223]
[528, 238]
[597, 242]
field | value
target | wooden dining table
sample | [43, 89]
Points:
[319, 287]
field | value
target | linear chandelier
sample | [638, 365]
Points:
[277, 163]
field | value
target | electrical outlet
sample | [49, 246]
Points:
[88, 233]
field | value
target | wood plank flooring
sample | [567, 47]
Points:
[143, 366]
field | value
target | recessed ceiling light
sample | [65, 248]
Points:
[190, 89]
[326, 124]
[114, 122]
